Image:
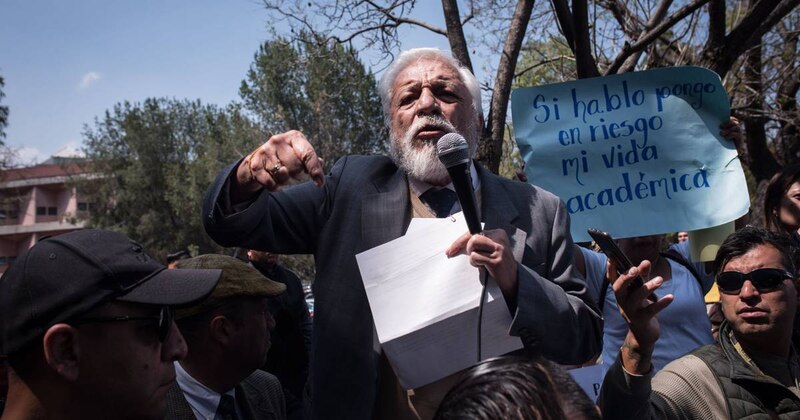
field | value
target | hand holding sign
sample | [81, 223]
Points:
[637, 153]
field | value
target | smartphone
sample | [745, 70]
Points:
[612, 251]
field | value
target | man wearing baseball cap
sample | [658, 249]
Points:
[87, 325]
[228, 335]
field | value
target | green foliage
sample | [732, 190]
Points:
[544, 62]
[3, 112]
[320, 88]
[158, 159]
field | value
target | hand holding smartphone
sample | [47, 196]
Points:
[621, 261]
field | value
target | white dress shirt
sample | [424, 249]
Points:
[203, 400]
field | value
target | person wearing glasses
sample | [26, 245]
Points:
[753, 370]
[87, 326]
[228, 335]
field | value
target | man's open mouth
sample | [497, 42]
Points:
[431, 132]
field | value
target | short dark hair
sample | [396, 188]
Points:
[516, 387]
[743, 240]
[776, 189]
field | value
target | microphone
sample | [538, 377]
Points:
[454, 154]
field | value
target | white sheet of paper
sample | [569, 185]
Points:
[425, 305]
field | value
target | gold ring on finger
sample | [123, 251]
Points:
[275, 168]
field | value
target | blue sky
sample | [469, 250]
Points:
[66, 62]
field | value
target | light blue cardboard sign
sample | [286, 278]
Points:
[633, 154]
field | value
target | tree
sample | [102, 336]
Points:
[158, 158]
[620, 36]
[320, 88]
[3, 113]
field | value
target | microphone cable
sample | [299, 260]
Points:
[485, 281]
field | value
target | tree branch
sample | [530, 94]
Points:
[584, 62]
[564, 19]
[653, 34]
[760, 160]
[658, 16]
[542, 63]
[716, 23]
[626, 19]
[491, 149]
[763, 15]
[400, 20]
[455, 33]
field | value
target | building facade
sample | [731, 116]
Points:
[39, 201]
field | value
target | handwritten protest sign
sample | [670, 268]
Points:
[633, 154]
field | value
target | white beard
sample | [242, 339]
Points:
[420, 160]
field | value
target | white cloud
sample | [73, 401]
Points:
[27, 156]
[71, 148]
[88, 79]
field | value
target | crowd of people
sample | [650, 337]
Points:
[91, 326]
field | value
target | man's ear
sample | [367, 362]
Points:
[221, 329]
[62, 351]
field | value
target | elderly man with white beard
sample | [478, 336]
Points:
[366, 201]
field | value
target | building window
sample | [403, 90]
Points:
[41, 211]
[84, 206]
[52, 211]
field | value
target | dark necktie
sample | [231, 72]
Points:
[440, 200]
[226, 410]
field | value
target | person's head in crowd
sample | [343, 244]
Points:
[516, 388]
[683, 236]
[642, 248]
[782, 201]
[756, 276]
[172, 259]
[262, 259]
[87, 325]
[228, 333]
[426, 93]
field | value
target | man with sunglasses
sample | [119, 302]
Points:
[86, 323]
[752, 371]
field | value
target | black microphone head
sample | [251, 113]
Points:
[452, 149]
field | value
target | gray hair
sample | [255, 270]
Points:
[409, 56]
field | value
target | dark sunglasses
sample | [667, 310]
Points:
[164, 318]
[764, 280]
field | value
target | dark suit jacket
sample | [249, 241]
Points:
[290, 353]
[365, 203]
[258, 397]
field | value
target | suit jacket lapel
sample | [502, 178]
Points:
[385, 213]
[498, 210]
[248, 409]
[177, 406]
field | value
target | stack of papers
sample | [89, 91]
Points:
[425, 305]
